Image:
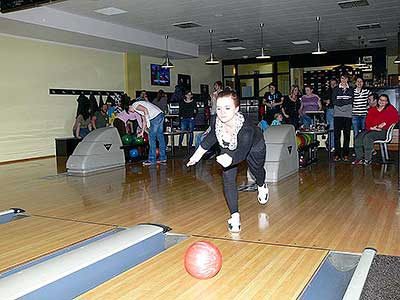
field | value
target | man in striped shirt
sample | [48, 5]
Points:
[360, 107]
[342, 97]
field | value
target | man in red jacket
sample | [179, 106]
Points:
[378, 121]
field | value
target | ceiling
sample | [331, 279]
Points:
[143, 27]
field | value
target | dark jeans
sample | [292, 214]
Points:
[187, 125]
[358, 125]
[329, 120]
[82, 132]
[156, 133]
[364, 143]
[255, 161]
[339, 124]
[293, 120]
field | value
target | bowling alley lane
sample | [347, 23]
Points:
[249, 271]
[30, 238]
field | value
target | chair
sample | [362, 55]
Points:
[383, 144]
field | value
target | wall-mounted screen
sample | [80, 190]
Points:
[159, 75]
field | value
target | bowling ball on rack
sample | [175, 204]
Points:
[303, 141]
[133, 153]
[309, 138]
[139, 140]
[203, 260]
[126, 139]
[298, 141]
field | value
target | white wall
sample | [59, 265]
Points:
[31, 118]
[199, 72]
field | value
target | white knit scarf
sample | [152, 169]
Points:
[219, 131]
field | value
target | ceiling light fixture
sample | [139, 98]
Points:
[212, 60]
[319, 51]
[262, 56]
[167, 64]
[397, 59]
[110, 11]
[303, 42]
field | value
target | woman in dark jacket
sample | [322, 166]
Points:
[238, 140]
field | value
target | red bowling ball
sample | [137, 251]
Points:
[203, 260]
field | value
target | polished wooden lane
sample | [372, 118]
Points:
[29, 238]
[249, 271]
[330, 206]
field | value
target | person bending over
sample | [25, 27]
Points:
[153, 120]
[238, 140]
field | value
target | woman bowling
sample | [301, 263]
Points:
[238, 140]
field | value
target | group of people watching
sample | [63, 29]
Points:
[345, 107]
[369, 114]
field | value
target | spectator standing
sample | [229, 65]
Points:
[291, 107]
[360, 107]
[343, 107]
[214, 96]
[187, 114]
[273, 100]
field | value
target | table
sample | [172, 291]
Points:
[314, 115]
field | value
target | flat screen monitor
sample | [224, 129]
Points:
[159, 76]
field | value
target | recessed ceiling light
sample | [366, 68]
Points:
[110, 11]
[236, 48]
[352, 3]
[218, 15]
[186, 25]
[231, 40]
[303, 42]
[368, 26]
[379, 40]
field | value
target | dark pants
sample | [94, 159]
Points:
[339, 124]
[364, 143]
[255, 161]
[294, 120]
[187, 124]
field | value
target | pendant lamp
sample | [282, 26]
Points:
[212, 60]
[262, 55]
[167, 64]
[319, 51]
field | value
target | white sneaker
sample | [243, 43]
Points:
[263, 194]
[234, 223]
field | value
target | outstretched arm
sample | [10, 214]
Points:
[197, 155]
